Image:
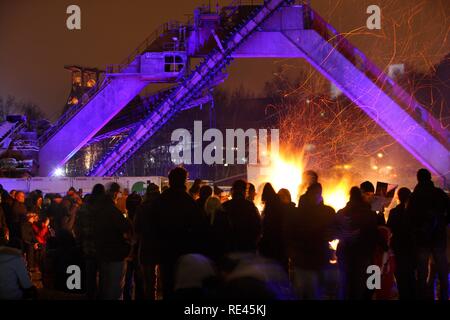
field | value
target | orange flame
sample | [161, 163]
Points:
[286, 172]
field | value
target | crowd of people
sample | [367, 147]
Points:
[180, 243]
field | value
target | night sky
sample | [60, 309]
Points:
[35, 43]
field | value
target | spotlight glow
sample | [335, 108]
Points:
[58, 172]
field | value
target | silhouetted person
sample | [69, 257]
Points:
[368, 196]
[112, 245]
[204, 193]
[84, 229]
[429, 209]
[309, 177]
[6, 204]
[237, 226]
[403, 246]
[64, 215]
[132, 202]
[180, 226]
[18, 216]
[383, 234]
[12, 193]
[272, 244]
[309, 232]
[195, 188]
[355, 252]
[19, 208]
[133, 276]
[146, 237]
[72, 191]
[285, 197]
[34, 202]
[4, 231]
[251, 192]
[212, 206]
[30, 243]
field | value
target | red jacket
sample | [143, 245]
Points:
[40, 232]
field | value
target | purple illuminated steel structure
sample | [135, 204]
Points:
[282, 30]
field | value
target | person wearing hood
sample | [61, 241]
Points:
[15, 282]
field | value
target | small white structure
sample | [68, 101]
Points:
[162, 66]
[154, 67]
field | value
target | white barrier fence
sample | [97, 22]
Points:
[62, 184]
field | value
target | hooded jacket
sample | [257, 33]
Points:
[13, 274]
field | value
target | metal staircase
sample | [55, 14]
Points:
[7, 132]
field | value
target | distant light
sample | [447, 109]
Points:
[379, 155]
[175, 39]
[308, 101]
[74, 100]
[58, 172]
[90, 83]
[375, 167]
[389, 167]
[347, 166]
